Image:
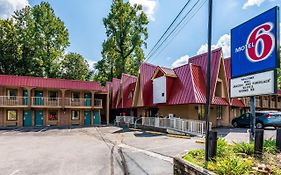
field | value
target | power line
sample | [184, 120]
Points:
[180, 29]
[175, 19]
[175, 28]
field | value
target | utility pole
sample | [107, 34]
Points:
[252, 117]
[208, 90]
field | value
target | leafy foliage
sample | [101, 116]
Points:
[126, 33]
[74, 67]
[269, 146]
[245, 148]
[232, 165]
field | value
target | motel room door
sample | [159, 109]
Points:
[96, 117]
[88, 99]
[27, 119]
[87, 118]
[38, 118]
[39, 98]
[25, 97]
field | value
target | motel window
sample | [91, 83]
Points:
[201, 112]
[219, 112]
[12, 115]
[53, 115]
[75, 96]
[75, 115]
[11, 93]
[53, 95]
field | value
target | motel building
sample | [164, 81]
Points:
[38, 102]
[181, 91]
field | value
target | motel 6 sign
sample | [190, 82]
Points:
[255, 55]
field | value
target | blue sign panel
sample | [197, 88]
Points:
[255, 44]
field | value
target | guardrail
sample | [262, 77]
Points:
[125, 119]
[194, 127]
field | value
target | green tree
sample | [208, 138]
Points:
[74, 67]
[9, 48]
[126, 31]
[42, 37]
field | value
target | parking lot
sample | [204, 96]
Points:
[103, 150]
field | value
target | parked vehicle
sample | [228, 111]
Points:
[263, 119]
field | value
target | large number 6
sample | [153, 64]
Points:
[260, 36]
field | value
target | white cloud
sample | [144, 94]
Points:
[223, 42]
[181, 61]
[250, 3]
[91, 63]
[148, 6]
[7, 7]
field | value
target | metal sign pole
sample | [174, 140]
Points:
[208, 98]
[253, 117]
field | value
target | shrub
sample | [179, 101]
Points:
[245, 148]
[269, 146]
[222, 147]
[196, 156]
[233, 165]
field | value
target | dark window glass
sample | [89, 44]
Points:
[75, 115]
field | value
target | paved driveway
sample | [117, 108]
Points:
[104, 150]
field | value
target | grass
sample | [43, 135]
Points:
[237, 159]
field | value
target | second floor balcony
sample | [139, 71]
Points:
[10, 101]
[52, 102]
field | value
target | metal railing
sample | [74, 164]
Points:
[125, 119]
[46, 101]
[13, 101]
[194, 127]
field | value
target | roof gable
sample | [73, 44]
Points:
[146, 72]
[202, 61]
[128, 83]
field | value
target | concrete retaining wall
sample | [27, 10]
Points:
[182, 167]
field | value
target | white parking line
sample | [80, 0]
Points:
[15, 172]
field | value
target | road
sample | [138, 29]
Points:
[104, 150]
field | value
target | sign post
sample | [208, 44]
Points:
[255, 58]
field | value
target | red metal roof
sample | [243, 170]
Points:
[115, 88]
[39, 82]
[202, 61]
[219, 101]
[128, 86]
[146, 73]
[237, 103]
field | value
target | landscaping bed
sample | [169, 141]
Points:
[238, 159]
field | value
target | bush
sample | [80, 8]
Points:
[222, 147]
[197, 157]
[269, 146]
[232, 165]
[245, 148]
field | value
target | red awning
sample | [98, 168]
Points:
[219, 101]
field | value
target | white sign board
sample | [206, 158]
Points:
[251, 85]
[159, 90]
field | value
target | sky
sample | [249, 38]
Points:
[84, 21]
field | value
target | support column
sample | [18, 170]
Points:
[63, 98]
[107, 109]
[29, 96]
[93, 107]
[253, 117]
